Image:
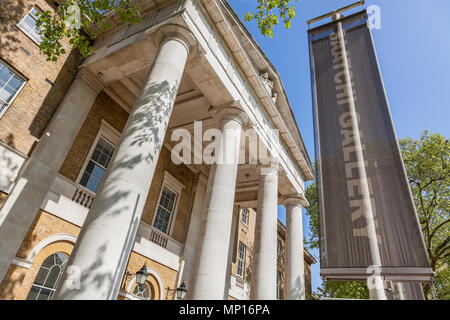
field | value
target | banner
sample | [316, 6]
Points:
[360, 195]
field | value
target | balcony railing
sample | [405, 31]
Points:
[65, 192]
[149, 233]
[83, 197]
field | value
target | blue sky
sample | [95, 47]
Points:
[413, 47]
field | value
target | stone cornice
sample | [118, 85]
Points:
[217, 13]
[93, 81]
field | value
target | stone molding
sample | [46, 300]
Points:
[272, 168]
[176, 32]
[29, 260]
[231, 110]
[93, 81]
[297, 199]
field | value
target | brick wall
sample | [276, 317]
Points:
[29, 114]
[104, 108]
[246, 235]
[18, 280]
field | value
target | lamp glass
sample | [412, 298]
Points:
[141, 275]
[181, 291]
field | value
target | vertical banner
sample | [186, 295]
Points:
[367, 211]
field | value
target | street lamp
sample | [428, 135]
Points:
[141, 275]
[180, 291]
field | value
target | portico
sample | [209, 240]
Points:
[179, 66]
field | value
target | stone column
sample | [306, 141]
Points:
[399, 293]
[104, 244]
[25, 199]
[209, 274]
[264, 271]
[192, 238]
[294, 284]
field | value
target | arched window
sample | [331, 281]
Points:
[48, 277]
[143, 291]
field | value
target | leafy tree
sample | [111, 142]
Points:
[427, 165]
[343, 289]
[81, 21]
[269, 13]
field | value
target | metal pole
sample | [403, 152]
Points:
[374, 282]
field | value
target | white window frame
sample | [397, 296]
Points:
[108, 133]
[245, 223]
[176, 186]
[58, 279]
[241, 260]
[147, 287]
[25, 80]
[19, 25]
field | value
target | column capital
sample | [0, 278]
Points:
[231, 110]
[272, 168]
[175, 32]
[92, 80]
[296, 199]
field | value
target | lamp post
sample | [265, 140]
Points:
[180, 291]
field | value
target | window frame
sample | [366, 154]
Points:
[19, 25]
[175, 186]
[108, 133]
[25, 80]
[62, 269]
[245, 223]
[147, 287]
[239, 260]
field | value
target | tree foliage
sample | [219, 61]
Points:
[269, 12]
[81, 21]
[83, 25]
[427, 163]
[343, 289]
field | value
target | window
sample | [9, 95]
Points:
[278, 285]
[96, 167]
[244, 216]
[166, 209]
[278, 247]
[28, 25]
[10, 85]
[142, 291]
[48, 277]
[241, 259]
